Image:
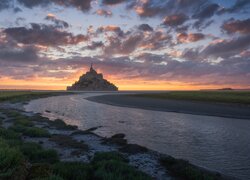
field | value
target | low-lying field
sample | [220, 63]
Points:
[18, 96]
[238, 97]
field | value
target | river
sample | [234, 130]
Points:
[216, 143]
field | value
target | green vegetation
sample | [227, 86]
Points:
[60, 124]
[30, 131]
[112, 166]
[183, 169]
[22, 96]
[36, 154]
[239, 97]
[107, 156]
[72, 170]
[104, 166]
[23, 122]
[12, 163]
[9, 134]
[67, 141]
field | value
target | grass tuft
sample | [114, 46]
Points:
[116, 170]
[72, 170]
[67, 141]
[12, 163]
[36, 154]
[106, 156]
[30, 131]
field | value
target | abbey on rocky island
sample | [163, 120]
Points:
[92, 81]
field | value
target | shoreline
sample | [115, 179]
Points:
[138, 156]
[177, 106]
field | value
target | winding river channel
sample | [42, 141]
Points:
[216, 143]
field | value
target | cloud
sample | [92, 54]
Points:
[78, 4]
[32, 3]
[4, 4]
[240, 5]
[113, 2]
[43, 35]
[103, 12]
[192, 37]
[156, 40]
[175, 20]
[151, 58]
[227, 48]
[59, 23]
[95, 45]
[110, 28]
[136, 40]
[127, 46]
[145, 27]
[26, 54]
[240, 26]
[12, 52]
[150, 8]
[206, 12]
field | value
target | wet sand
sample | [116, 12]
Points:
[179, 106]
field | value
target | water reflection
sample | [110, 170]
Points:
[217, 143]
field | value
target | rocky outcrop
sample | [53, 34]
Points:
[92, 81]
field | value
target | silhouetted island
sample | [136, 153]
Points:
[92, 81]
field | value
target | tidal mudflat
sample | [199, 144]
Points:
[215, 143]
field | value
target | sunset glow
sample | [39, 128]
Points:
[137, 45]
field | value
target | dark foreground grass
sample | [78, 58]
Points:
[36, 154]
[238, 97]
[12, 162]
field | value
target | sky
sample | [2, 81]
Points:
[136, 44]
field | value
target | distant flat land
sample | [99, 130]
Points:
[231, 104]
[230, 97]
[17, 96]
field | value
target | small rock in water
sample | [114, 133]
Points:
[120, 136]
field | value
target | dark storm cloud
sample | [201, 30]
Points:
[175, 20]
[113, 2]
[78, 4]
[24, 55]
[59, 23]
[240, 26]
[227, 48]
[145, 27]
[43, 35]
[11, 52]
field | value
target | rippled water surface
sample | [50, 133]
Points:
[220, 144]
